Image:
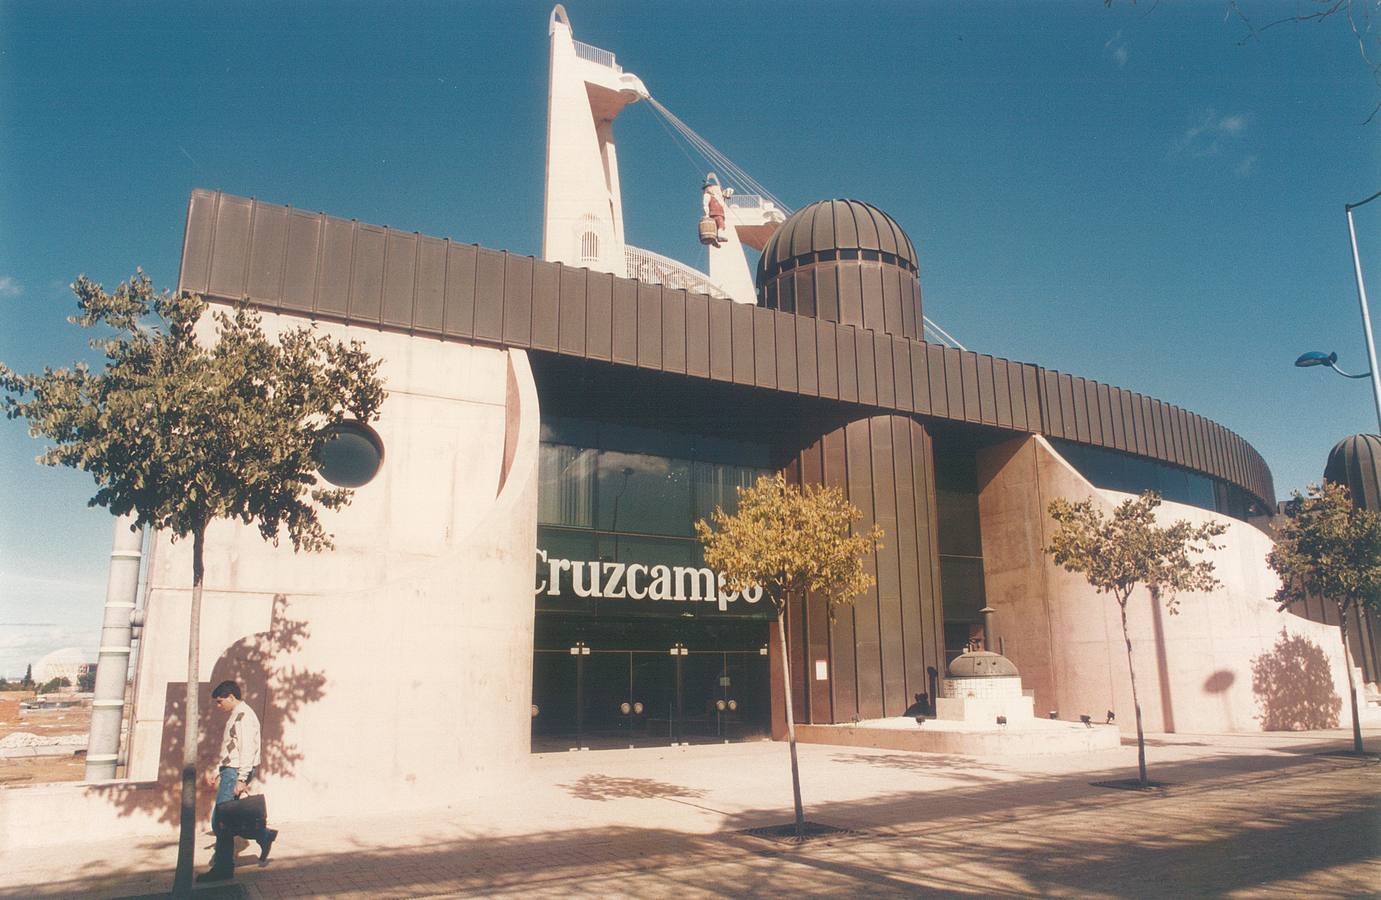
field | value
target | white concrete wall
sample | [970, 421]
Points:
[393, 672]
[1229, 661]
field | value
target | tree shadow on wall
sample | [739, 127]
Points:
[273, 688]
[1293, 684]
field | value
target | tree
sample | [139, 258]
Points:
[1330, 547]
[181, 433]
[789, 542]
[1117, 554]
[28, 681]
[55, 684]
[86, 681]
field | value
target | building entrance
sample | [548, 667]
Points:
[595, 694]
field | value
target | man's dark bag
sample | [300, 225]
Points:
[244, 817]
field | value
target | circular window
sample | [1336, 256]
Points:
[351, 454]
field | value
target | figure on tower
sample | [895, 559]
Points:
[712, 204]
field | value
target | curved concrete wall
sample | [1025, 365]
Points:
[386, 672]
[1227, 662]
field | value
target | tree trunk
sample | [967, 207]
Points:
[790, 724]
[187, 822]
[1136, 703]
[1351, 688]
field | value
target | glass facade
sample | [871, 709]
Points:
[1116, 471]
[960, 543]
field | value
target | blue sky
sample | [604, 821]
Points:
[1132, 194]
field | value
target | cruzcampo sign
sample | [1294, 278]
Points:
[604, 580]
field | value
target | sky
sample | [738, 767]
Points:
[1150, 195]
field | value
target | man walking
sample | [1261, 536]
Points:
[238, 760]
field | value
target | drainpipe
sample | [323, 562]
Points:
[112, 663]
[987, 613]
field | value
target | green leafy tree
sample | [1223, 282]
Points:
[1116, 554]
[181, 432]
[53, 685]
[28, 681]
[86, 681]
[789, 542]
[1329, 547]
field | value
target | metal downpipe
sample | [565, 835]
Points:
[112, 662]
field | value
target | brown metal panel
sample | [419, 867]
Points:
[231, 251]
[1171, 430]
[827, 358]
[571, 338]
[847, 348]
[546, 305]
[1220, 453]
[764, 347]
[954, 385]
[870, 279]
[431, 285]
[882, 366]
[459, 312]
[1051, 413]
[197, 242]
[843, 670]
[932, 625]
[920, 376]
[1156, 429]
[1134, 416]
[804, 281]
[786, 292]
[721, 341]
[968, 381]
[891, 300]
[1030, 386]
[698, 335]
[489, 272]
[866, 366]
[807, 363]
[1118, 423]
[1092, 414]
[826, 280]
[367, 274]
[939, 387]
[1202, 452]
[1193, 455]
[674, 330]
[333, 275]
[987, 401]
[1069, 410]
[784, 332]
[400, 279]
[1104, 415]
[901, 374]
[625, 321]
[599, 315]
[267, 245]
[649, 326]
[850, 296]
[517, 300]
[911, 587]
[894, 698]
[1002, 393]
[905, 300]
[741, 324]
[300, 261]
[808, 469]
[867, 642]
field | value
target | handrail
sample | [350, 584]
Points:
[596, 55]
[654, 268]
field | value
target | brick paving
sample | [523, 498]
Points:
[1243, 816]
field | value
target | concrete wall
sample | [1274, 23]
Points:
[1227, 662]
[393, 672]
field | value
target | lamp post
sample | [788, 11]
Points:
[1315, 358]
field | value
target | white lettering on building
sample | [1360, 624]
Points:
[617, 581]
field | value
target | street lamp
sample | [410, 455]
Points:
[1315, 358]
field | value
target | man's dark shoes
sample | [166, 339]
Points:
[266, 844]
[216, 874]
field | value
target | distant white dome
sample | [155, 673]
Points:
[69, 663]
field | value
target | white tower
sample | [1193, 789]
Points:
[583, 221]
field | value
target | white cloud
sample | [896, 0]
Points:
[1210, 134]
[1117, 49]
[9, 287]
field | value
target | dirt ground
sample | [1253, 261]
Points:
[44, 723]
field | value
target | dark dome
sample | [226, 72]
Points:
[981, 664]
[1356, 463]
[845, 261]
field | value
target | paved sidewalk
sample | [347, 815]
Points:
[1244, 815]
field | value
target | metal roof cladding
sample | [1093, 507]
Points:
[1355, 462]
